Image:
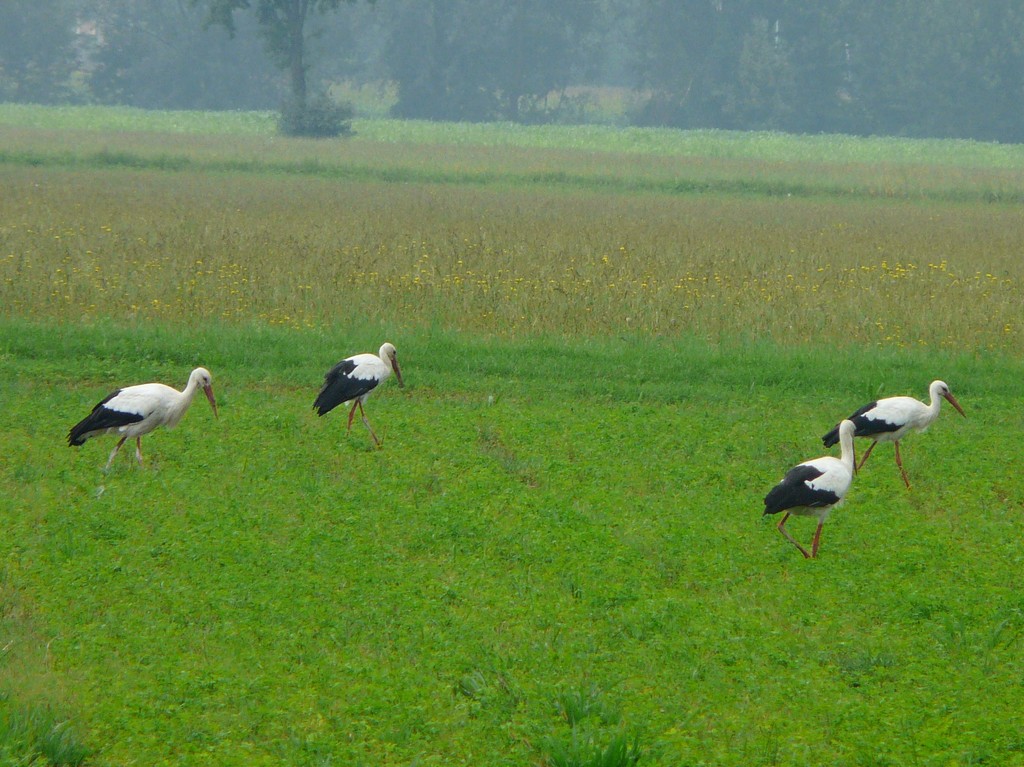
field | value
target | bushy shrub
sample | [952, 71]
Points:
[320, 117]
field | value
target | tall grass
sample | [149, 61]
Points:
[171, 247]
[802, 171]
[35, 735]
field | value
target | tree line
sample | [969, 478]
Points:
[916, 68]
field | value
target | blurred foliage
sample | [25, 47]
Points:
[918, 68]
[320, 117]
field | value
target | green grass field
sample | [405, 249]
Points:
[557, 557]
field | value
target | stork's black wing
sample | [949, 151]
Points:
[100, 419]
[793, 492]
[865, 427]
[340, 385]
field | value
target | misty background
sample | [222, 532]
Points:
[914, 68]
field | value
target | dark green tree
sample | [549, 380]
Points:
[283, 26]
[821, 41]
[533, 44]
[39, 50]
[484, 59]
[764, 94]
[160, 56]
[688, 55]
[945, 69]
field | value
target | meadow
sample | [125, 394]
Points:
[614, 343]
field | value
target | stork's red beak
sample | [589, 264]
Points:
[208, 389]
[952, 401]
[398, 372]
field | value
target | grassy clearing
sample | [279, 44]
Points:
[560, 553]
[705, 144]
[598, 159]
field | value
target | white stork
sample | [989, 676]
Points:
[814, 488]
[352, 380]
[890, 419]
[138, 410]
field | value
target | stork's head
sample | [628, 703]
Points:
[203, 379]
[390, 357]
[941, 388]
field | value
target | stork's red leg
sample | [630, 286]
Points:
[352, 412]
[114, 452]
[899, 462]
[366, 423]
[785, 533]
[814, 542]
[866, 454]
[138, 450]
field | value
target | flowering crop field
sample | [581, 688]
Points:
[147, 245]
[613, 342]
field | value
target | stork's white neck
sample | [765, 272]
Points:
[934, 404]
[846, 446]
[184, 399]
[190, 388]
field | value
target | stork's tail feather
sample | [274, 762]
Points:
[322, 406]
[78, 434]
[772, 502]
[831, 438]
